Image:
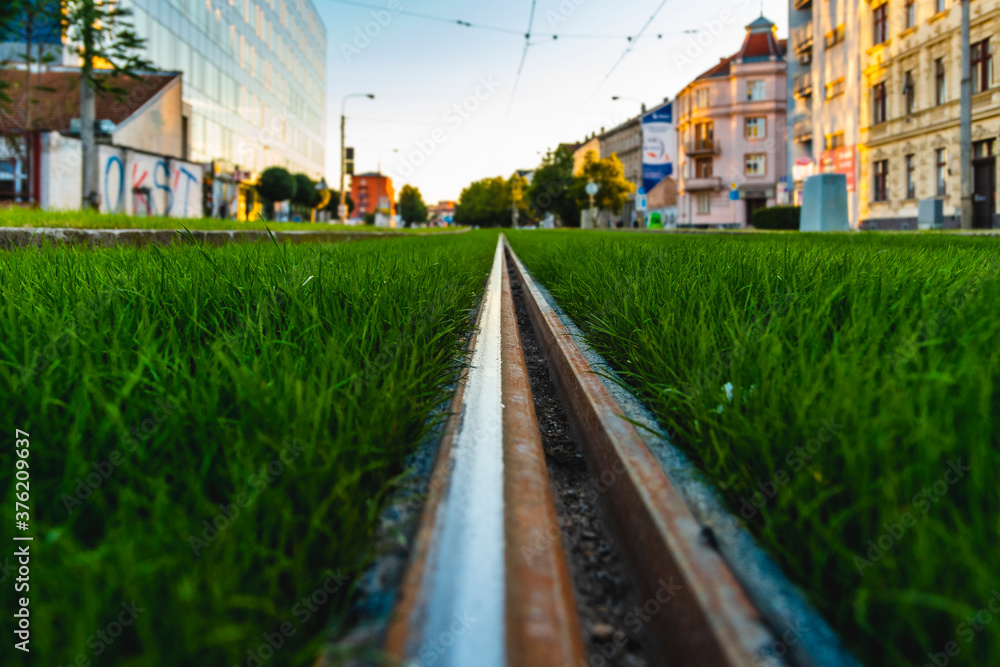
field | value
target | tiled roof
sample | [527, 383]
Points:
[58, 98]
[760, 45]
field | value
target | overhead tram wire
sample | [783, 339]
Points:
[517, 79]
[508, 31]
[627, 51]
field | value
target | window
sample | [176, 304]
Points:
[835, 36]
[940, 6]
[703, 167]
[704, 134]
[756, 128]
[941, 171]
[940, 92]
[981, 149]
[879, 189]
[878, 103]
[835, 140]
[704, 203]
[910, 92]
[701, 98]
[911, 186]
[911, 13]
[981, 56]
[881, 23]
[835, 88]
[755, 164]
[755, 91]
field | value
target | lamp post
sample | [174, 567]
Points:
[342, 209]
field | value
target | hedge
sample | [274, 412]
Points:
[776, 217]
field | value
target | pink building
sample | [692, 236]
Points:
[732, 131]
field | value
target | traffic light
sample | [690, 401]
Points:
[349, 161]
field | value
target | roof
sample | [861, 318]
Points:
[760, 45]
[58, 98]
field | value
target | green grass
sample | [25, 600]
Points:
[17, 217]
[295, 377]
[891, 344]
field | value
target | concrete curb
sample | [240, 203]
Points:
[20, 237]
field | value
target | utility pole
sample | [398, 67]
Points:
[88, 113]
[965, 132]
[343, 154]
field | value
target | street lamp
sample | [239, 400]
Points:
[342, 209]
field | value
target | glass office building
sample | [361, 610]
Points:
[254, 77]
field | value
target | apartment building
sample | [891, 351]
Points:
[625, 141]
[824, 94]
[732, 132]
[910, 111]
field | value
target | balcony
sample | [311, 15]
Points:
[802, 38]
[702, 147]
[706, 183]
[803, 132]
[803, 85]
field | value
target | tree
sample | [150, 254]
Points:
[411, 205]
[306, 193]
[515, 197]
[103, 34]
[335, 202]
[276, 184]
[609, 175]
[485, 203]
[551, 189]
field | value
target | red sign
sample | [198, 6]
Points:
[839, 161]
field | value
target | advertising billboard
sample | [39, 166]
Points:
[659, 145]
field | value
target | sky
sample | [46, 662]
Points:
[449, 105]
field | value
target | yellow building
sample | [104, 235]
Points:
[910, 111]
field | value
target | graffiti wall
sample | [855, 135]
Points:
[142, 184]
[131, 182]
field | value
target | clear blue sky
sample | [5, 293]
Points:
[420, 69]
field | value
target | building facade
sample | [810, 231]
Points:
[732, 132]
[373, 194]
[910, 111]
[625, 141]
[254, 77]
[824, 94]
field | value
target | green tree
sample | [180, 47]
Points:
[276, 184]
[485, 203]
[516, 197]
[335, 202]
[411, 205]
[103, 34]
[609, 175]
[551, 189]
[305, 191]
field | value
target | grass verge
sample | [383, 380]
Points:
[843, 393]
[18, 217]
[212, 432]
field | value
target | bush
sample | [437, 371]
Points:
[776, 217]
[305, 191]
[369, 218]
